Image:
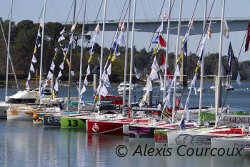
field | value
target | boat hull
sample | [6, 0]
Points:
[52, 120]
[19, 114]
[243, 142]
[106, 127]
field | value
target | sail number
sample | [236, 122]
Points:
[72, 123]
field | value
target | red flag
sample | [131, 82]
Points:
[162, 41]
[248, 38]
[163, 62]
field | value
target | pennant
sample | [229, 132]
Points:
[248, 38]
[162, 42]
[114, 44]
[73, 27]
[155, 40]
[226, 30]
[121, 39]
[71, 40]
[177, 71]
[52, 66]
[86, 80]
[90, 58]
[38, 32]
[59, 74]
[209, 30]
[37, 42]
[56, 85]
[155, 65]
[82, 101]
[153, 75]
[88, 70]
[49, 76]
[62, 66]
[160, 28]
[229, 59]
[83, 89]
[109, 69]
[202, 44]
[98, 88]
[105, 79]
[53, 94]
[34, 59]
[113, 58]
[61, 38]
[62, 32]
[155, 49]
[137, 73]
[163, 62]
[238, 79]
[103, 91]
[32, 68]
[97, 29]
[27, 85]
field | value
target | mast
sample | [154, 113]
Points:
[218, 93]
[102, 43]
[131, 57]
[202, 62]
[176, 57]
[41, 59]
[80, 75]
[8, 53]
[167, 41]
[71, 48]
[126, 57]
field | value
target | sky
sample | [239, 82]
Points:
[58, 11]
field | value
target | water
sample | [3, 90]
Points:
[25, 144]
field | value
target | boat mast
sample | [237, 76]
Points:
[71, 48]
[8, 53]
[102, 43]
[218, 100]
[41, 58]
[131, 57]
[126, 57]
[202, 62]
[176, 57]
[80, 75]
[167, 41]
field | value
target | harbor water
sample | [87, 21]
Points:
[25, 144]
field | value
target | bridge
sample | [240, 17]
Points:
[234, 24]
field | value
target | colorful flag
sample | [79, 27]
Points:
[226, 30]
[86, 80]
[163, 62]
[229, 59]
[155, 40]
[114, 44]
[103, 91]
[49, 76]
[38, 32]
[248, 38]
[238, 79]
[83, 89]
[29, 76]
[155, 65]
[209, 30]
[88, 70]
[52, 66]
[32, 68]
[34, 59]
[109, 69]
[162, 42]
[97, 30]
[160, 28]
[153, 75]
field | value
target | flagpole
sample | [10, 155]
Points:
[218, 93]
[176, 57]
[8, 53]
[71, 48]
[126, 58]
[41, 58]
[80, 75]
[167, 44]
[102, 43]
[202, 63]
[132, 54]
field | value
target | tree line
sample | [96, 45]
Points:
[23, 36]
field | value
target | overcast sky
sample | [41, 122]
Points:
[58, 10]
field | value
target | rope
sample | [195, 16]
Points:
[107, 131]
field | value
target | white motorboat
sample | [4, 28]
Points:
[121, 87]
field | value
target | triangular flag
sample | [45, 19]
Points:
[109, 69]
[83, 89]
[34, 59]
[49, 76]
[56, 85]
[62, 66]
[52, 66]
[153, 75]
[29, 76]
[32, 68]
[86, 80]
[27, 85]
[61, 38]
[160, 28]
[162, 42]
[97, 30]
[155, 64]
[137, 73]
[59, 74]
[38, 32]
[88, 70]
[209, 30]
